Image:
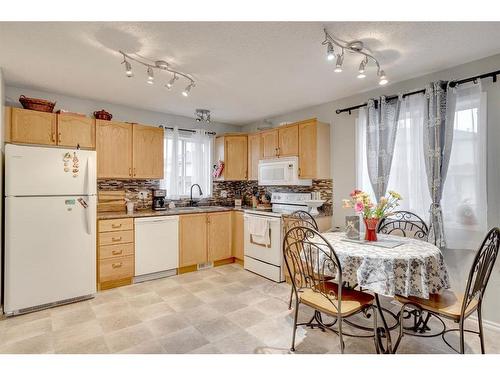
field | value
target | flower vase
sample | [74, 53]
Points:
[371, 229]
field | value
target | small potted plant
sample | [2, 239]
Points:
[371, 212]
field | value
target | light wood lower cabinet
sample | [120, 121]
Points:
[219, 236]
[192, 239]
[204, 238]
[237, 237]
[115, 253]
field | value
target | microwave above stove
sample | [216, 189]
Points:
[281, 171]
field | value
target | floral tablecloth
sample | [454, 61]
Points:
[414, 268]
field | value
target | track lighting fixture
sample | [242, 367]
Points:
[172, 81]
[362, 68]
[128, 68]
[188, 89]
[151, 76]
[382, 78]
[330, 53]
[340, 61]
[353, 47]
[158, 65]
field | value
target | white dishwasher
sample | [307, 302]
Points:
[156, 247]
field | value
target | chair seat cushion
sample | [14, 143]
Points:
[448, 304]
[352, 300]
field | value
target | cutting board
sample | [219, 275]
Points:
[111, 201]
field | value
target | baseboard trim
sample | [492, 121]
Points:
[487, 324]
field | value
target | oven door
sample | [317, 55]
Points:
[266, 253]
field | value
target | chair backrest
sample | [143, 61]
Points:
[482, 266]
[404, 223]
[299, 219]
[311, 261]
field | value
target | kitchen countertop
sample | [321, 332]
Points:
[174, 211]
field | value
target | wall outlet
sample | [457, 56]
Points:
[223, 193]
[143, 194]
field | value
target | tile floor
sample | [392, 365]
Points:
[220, 310]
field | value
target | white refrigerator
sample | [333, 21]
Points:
[50, 227]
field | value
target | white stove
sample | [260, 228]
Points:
[266, 257]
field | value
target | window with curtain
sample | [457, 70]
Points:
[188, 161]
[464, 201]
[407, 175]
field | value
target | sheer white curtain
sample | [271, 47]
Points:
[170, 180]
[407, 175]
[202, 161]
[464, 201]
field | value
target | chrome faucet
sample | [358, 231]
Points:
[191, 201]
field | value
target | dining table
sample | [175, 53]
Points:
[391, 266]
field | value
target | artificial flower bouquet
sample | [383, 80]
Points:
[372, 213]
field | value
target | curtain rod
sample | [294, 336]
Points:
[452, 84]
[184, 130]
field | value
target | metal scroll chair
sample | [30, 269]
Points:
[296, 219]
[459, 307]
[404, 223]
[311, 262]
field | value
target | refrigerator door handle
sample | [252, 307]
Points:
[88, 177]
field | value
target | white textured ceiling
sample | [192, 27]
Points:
[244, 71]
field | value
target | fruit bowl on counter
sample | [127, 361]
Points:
[313, 205]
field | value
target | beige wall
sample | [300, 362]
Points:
[343, 156]
[2, 92]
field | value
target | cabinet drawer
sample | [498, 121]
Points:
[115, 225]
[115, 238]
[116, 268]
[114, 251]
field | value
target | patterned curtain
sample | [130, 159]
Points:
[382, 124]
[439, 115]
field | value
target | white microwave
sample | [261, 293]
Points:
[281, 171]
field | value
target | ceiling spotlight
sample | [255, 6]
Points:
[330, 53]
[382, 78]
[151, 76]
[128, 68]
[188, 89]
[172, 81]
[340, 61]
[362, 68]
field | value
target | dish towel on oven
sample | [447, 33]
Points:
[258, 228]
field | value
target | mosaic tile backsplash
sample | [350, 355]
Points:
[223, 192]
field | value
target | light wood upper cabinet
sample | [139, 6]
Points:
[114, 149]
[314, 149]
[219, 236]
[269, 143]
[73, 131]
[33, 127]
[232, 149]
[254, 155]
[192, 239]
[237, 236]
[147, 152]
[288, 141]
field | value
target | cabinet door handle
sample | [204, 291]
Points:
[116, 265]
[59, 137]
[134, 171]
[116, 239]
[116, 225]
[299, 172]
[53, 135]
[117, 252]
[130, 172]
